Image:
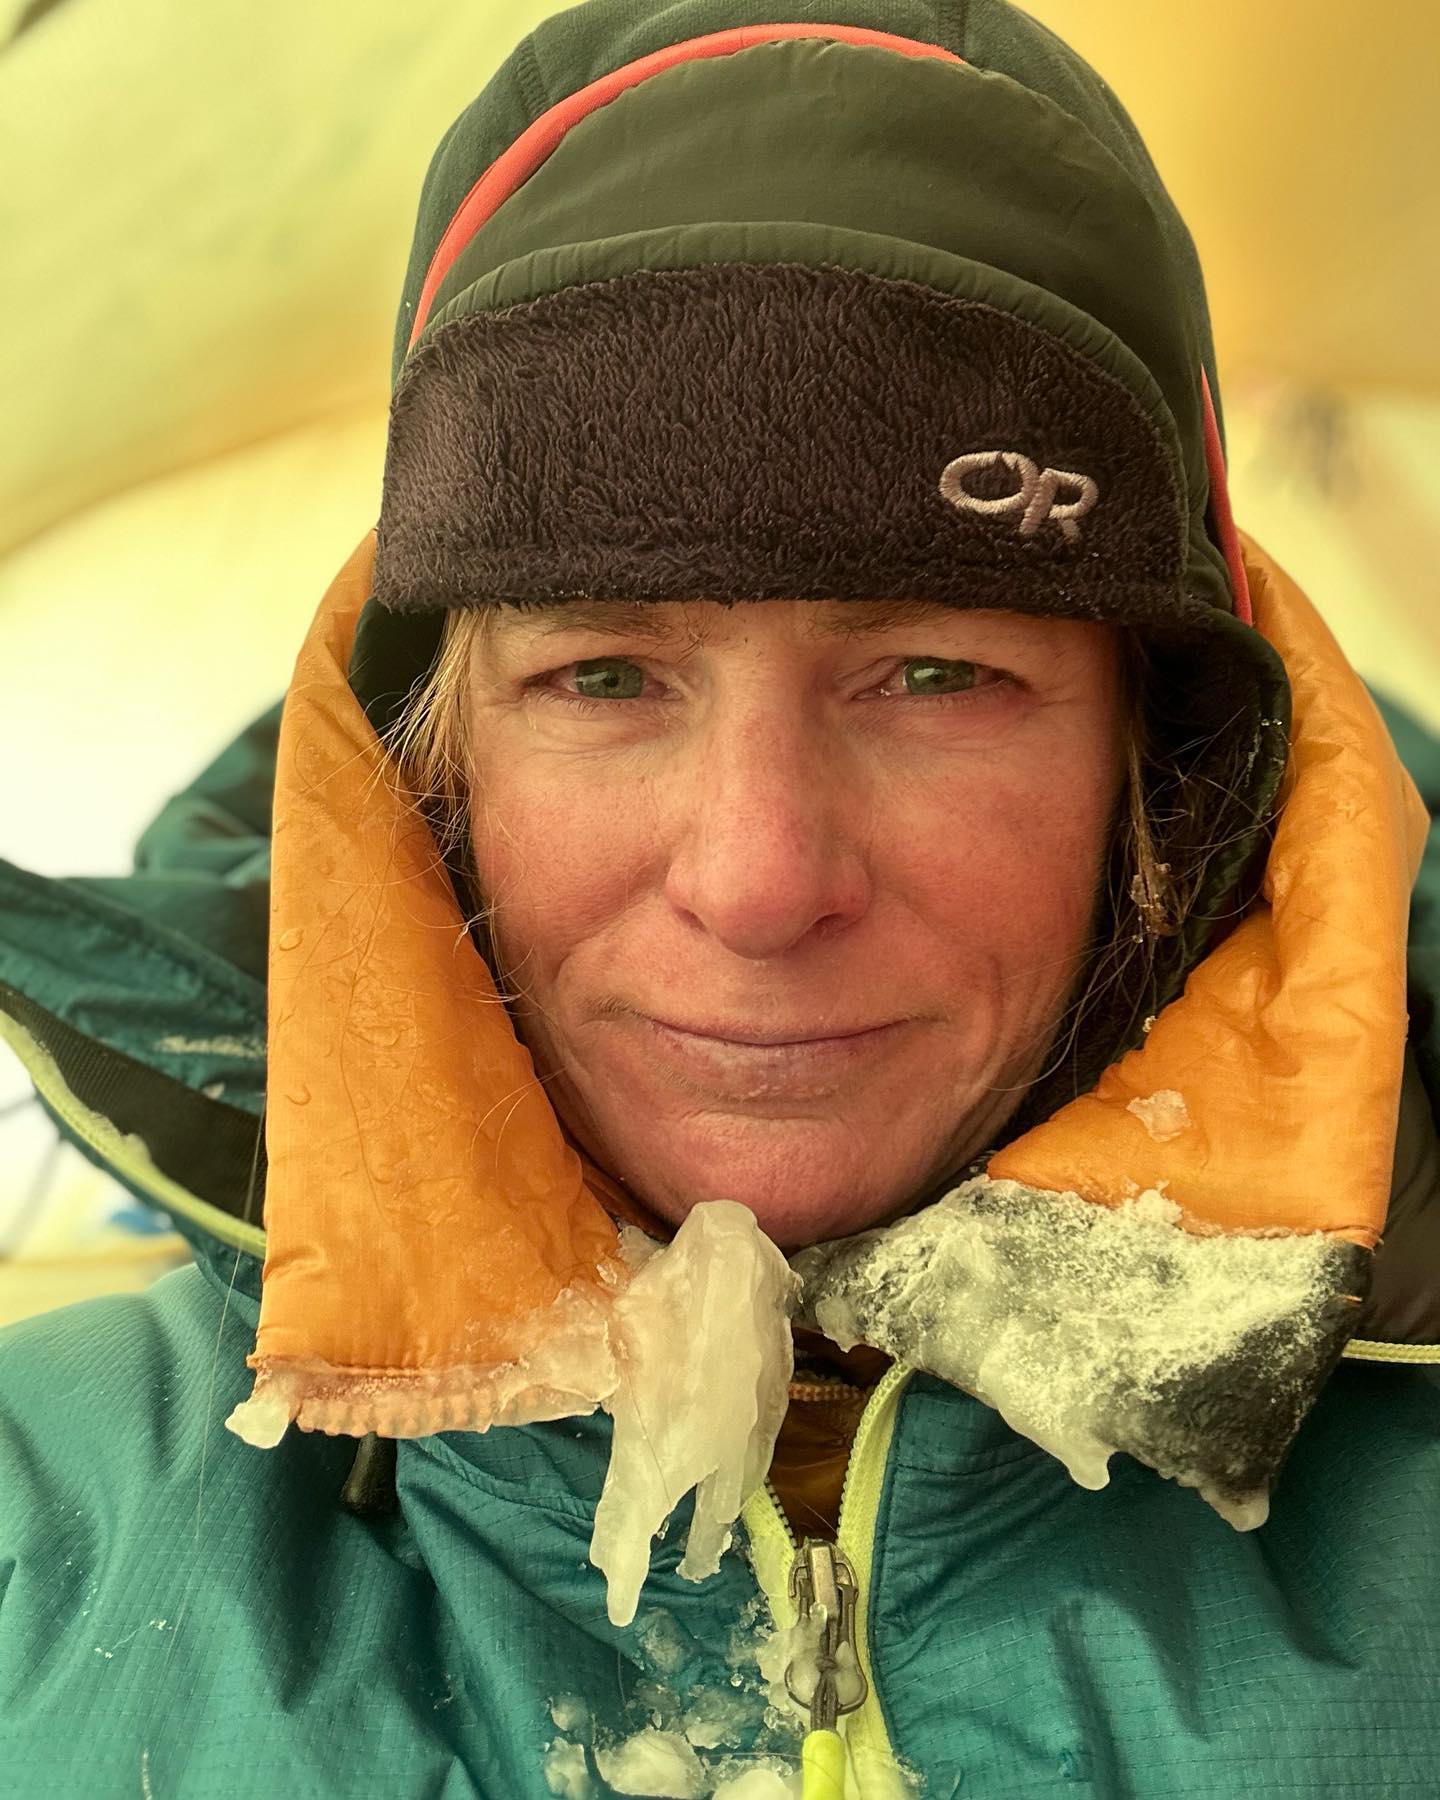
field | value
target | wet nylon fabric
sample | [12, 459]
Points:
[1027, 1641]
[423, 1205]
[178, 1604]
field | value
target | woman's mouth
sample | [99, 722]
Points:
[770, 1037]
[754, 1063]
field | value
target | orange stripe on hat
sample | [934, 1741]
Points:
[517, 163]
[1287, 1045]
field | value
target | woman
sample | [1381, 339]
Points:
[829, 917]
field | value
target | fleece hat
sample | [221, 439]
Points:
[708, 307]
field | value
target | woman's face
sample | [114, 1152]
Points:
[792, 894]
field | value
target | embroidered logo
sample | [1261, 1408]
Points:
[1035, 500]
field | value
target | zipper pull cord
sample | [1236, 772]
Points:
[822, 1766]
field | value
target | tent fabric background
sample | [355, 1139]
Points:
[206, 214]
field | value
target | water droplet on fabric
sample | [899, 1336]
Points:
[298, 1095]
[291, 939]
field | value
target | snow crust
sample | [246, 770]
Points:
[656, 1762]
[1092, 1329]
[653, 1761]
[570, 1714]
[566, 1366]
[712, 1698]
[760, 1784]
[703, 1344]
[566, 1771]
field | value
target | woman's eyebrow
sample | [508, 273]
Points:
[863, 617]
[615, 618]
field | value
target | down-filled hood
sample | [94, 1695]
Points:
[703, 304]
[438, 1255]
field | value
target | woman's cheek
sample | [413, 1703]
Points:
[1022, 863]
[557, 860]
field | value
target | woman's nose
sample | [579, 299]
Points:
[765, 852]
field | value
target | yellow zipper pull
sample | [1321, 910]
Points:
[823, 1766]
[824, 1674]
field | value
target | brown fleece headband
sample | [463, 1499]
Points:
[769, 431]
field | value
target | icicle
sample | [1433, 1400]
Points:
[702, 1338]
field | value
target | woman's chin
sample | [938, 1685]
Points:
[805, 1181]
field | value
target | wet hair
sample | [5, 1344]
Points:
[1169, 824]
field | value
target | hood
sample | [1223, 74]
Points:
[439, 1257]
[707, 304]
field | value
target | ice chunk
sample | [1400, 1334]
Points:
[760, 1784]
[718, 1717]
[664, 1643]
[702, 1341]
[262, 1420]
[1163, 1114]
[654, 1762]
[566, 1771]
[1093, 1329]
[687, 1346]
[570, 1714]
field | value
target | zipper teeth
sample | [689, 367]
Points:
[782, 1515]
[875, 1408]
[893, 1378]
[828, 1393]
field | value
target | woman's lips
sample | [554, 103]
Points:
[742, 1067]
[726, 1034]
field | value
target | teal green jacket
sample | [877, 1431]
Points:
[185, 1616]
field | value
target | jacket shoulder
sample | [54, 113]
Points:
[219, 824]
[104, 1383]
[112, 1435]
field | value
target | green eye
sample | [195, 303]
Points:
[609, 678]
[934, 675]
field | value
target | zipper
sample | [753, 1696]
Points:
[1364, 1350]
[800, 1578]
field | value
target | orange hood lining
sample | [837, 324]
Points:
[1286, 1048]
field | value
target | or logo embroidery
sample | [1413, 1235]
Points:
[1036, 499]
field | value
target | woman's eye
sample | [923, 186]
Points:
[937, 675]
[607, 678]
